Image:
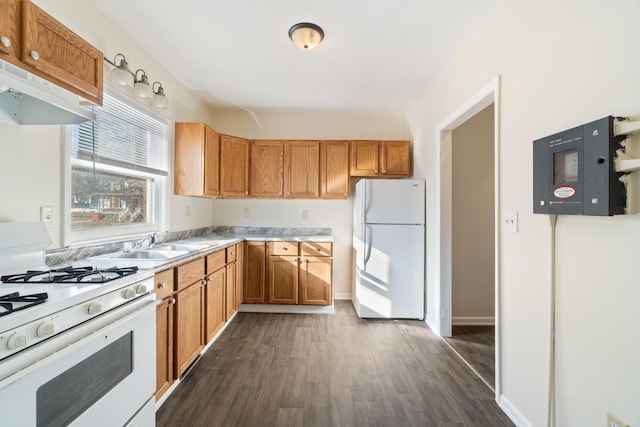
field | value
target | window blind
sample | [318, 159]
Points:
[123, 136]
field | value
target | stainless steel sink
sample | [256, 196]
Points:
[181, 247]
[151, 254]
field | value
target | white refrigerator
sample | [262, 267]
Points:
[388, 242]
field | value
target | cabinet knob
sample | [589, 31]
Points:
[246, 192]
[346, 194]
[162, 285]
[384, 171]
[35, 55]
[5, 41]
[289, 193]
[173, 300]
[375, 171]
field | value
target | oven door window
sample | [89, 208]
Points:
[65, 397]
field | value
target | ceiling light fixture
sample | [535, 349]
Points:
[121, 75]
[306, 35]
[159, 99]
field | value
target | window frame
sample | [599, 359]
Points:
[158, 192]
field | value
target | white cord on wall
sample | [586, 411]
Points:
[551, 414]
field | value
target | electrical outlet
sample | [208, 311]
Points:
[247, 212]
[510, 222]
[305, 214]
[187, 210]
[614, 421]
[46, 215]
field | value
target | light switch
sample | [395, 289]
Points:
[510, 222]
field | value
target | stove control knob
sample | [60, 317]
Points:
[128, 293]
[95, 308]
[18, 341]
[141, 289]
[45, 329]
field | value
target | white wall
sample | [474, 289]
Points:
[562, 63]
[30, 156]
[337, 214]
[472, 249]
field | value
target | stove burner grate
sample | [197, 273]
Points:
[13, 302]
[70, 275]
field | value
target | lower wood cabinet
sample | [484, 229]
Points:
[215, 303]
[189, 337]
[239, 274]
[315, 280]
[299, 273]
[255, 273]
[164, 346]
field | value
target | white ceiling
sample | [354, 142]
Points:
[377, 55]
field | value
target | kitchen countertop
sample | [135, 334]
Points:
[219, 239]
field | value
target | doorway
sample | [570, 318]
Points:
[472, 243]
[440, 291]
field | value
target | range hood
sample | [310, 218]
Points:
[27, 99]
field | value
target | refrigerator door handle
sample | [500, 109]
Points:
[367, 248]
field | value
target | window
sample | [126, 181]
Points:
[118, 168]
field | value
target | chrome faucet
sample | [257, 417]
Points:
[148, 241]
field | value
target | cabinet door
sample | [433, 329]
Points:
[234, 166]
[283, 279]
[214, 303]
[334, 169]
[301, 169]
[188, 160]
[395, 158]
[231, 290]
[365, 158]
[164, 346]
[188, 330]
[315, 281]
[255, 273]
[239, 275]
[50, 47]
[211, 162]
[10, 30]
[265, 176]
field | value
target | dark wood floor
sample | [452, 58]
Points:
[329, 370]
[476, 344]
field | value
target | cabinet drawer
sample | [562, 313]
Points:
[231, 254]
[215, 261]
[188, 273]
[283, 248]
[163, 283]
[315, 249]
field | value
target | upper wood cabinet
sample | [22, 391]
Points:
[10, 30]
[266, 171]
[334, 169]
[56, 51]
[32, 39]
[301, 169]
[196, 171]
[234, 166]
[380, 158]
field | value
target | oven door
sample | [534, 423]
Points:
[103, 379]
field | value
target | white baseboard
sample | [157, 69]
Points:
[282, 308]
[511, 411]
[342, 296]
[473, 320]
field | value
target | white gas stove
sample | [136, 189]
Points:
[81, 311]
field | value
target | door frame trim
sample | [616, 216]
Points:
[441, 321]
